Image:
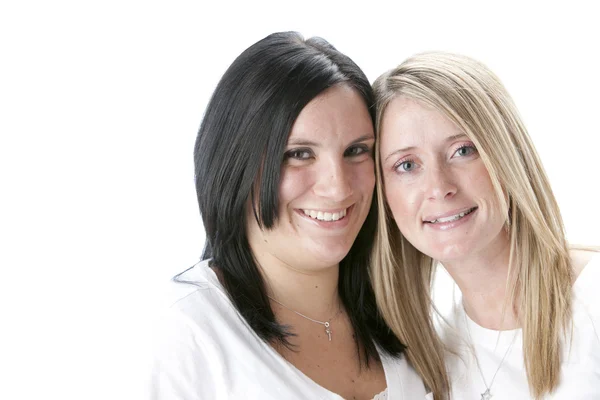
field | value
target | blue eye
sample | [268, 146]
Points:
[464, 151]
[406, 166]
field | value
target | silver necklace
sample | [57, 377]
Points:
[326, 324]
[487, 395]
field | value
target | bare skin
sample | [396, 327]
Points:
[442, 198]
[325, 192]
[333, 365]
[579, 259]
[483, 288]
[482, 281]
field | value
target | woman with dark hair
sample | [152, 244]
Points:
[282, 307]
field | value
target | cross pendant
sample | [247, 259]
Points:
[486, 395]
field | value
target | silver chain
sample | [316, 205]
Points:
[326, 324]
[487, 394]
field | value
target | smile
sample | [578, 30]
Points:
[326, 215]
[451, 218]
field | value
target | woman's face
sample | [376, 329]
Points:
[436, 185]
[326, 187]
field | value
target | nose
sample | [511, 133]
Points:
[334, 180]
[440, 183]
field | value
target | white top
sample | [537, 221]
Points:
[204, 349]
[580, 369]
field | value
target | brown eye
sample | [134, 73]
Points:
[299, 154]
[356, 150]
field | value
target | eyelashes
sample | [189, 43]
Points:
[299, 154]
[465, 150]
[357, 150]
[306, 153]
[405, 165]
[409, 163]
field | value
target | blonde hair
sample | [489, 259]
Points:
[540, 273]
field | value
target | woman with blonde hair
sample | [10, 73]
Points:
[461, 185]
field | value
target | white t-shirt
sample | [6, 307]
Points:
[580, 369]
[204, 349]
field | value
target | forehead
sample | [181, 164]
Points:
[339, 109]
[416, 123]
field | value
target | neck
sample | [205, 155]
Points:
[482, 279]
[312, 293]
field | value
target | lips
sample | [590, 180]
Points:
[451, 216]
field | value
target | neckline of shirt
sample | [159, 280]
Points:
[500, 339]
[211, 277]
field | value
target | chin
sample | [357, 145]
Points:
[329, 256]
[334, 257]
[452, 252]
[443, 252]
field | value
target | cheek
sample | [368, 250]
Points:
[479, 175]
[480, 184]
[364, 177]
[402, 200]
[294, 182]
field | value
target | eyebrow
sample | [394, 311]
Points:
[402, 150]
[303, 142]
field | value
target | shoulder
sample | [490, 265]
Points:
[581, 258]
[190, 335]
[195, 297]
[188, 300]
[192, 291]
[586, 266]
[585, 289]
[194, 310]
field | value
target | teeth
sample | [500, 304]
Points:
[452, 218]
[325, 216]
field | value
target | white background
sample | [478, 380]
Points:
[99, 107]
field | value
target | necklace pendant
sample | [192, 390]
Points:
[486, 395]
[328, 332]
